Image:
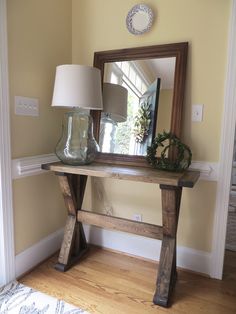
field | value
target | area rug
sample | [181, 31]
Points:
[19, 299]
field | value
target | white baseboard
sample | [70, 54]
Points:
[187, 258]
[32, 256]
[195, 260]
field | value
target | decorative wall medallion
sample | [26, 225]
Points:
[139, 19]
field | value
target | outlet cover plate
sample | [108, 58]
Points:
[137, 217]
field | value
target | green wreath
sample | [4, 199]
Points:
[183, 155]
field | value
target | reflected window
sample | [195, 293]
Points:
[134, 77]
[132, 135]
[122, 139]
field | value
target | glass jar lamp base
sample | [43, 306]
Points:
[77, 145]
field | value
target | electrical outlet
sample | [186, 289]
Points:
[197, 113]
[137, 217]
[25, 106]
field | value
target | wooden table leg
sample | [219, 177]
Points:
[167, 274]
[74, 242]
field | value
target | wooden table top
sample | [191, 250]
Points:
[184, 179]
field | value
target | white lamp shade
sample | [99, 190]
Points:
[115, 99]
[77, 86]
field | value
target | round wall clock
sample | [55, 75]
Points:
[139, 19]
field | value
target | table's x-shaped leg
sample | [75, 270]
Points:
[74, 242]
[167, 274]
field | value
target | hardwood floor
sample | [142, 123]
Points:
[111, 283]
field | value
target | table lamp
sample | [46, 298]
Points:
[78, 87]
[115, 98]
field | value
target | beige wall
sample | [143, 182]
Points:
[126, 198]
[38, 207]
[39, 38]
[100, 25]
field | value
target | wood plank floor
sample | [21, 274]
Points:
[111, 283]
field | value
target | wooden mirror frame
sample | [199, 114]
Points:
[177, 50]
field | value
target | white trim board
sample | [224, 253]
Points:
[40, 251]
[7, 253]
[226, 155]
[209, 171]
[29, 166]
[187, 258]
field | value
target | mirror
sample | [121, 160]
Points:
[143, 90]
[144, 82]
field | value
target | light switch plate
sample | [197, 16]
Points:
[197, 113]
[25, 106]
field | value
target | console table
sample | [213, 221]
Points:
[72, 181]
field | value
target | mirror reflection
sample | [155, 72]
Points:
[137, 101]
